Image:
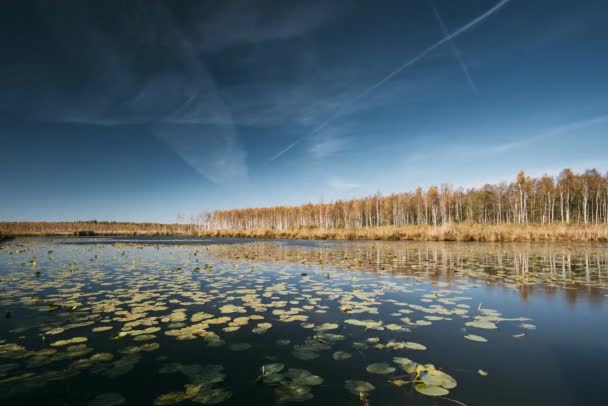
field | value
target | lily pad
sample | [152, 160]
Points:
[303, 377]
[476, 338]
[430, 390]
[272, 368]
[291, 392]
[380, 368]
[341, 355]
[358, 387]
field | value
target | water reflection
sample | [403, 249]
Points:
[269, 322]
[541, 269]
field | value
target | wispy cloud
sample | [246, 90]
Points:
[561, 129]
[342, 185]
[215, 153]
[329, 143]
[341, 108]
[237, 22]
[471, 24]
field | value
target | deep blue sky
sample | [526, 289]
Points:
[138, 110]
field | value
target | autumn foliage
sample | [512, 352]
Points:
[569, 207]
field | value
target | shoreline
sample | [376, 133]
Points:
[451, 232]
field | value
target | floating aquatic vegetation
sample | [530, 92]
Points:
[303, 377]
[101, 329]
[262, 328]
[121, 366]
[326, 327]
[434, 377]
[476, 338]
[202, 387]
[291, 392]
[358, 387]
[380, 368]
[341, 355]
[270, 369]
[483, 324]
[406, 364]
[368, 324]
[74, 340]
[212, 396]
[430, 390]
[200, 316]
[143, 298]
[232, 309]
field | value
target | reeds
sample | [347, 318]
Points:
[451, 232]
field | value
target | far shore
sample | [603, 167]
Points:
[450, 232]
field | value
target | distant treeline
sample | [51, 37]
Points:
[568, 198]
[569, 207]
[93, 227]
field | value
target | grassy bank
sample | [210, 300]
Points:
[452, 232]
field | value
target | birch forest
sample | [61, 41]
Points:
[580, 198]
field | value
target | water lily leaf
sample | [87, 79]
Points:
[398, 382]
[429, 390]
[101, 328]
[232, 309]
[434, 377]
[272, 368]
[483, 324]
[291, 392]
[414, 346]
[273, 378]
[303, 377]
[305, 355]
[326, 327]
[482, 372]
[476, 338]
[196, 317]
[341, 355]
[74, 340]
[212, 396]
[380, 368]
[406, 364]
[368, 324]
[358, 387]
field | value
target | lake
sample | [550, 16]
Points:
[110, 321]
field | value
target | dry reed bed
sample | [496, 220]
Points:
[452, 232]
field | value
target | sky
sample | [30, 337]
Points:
[140, 110]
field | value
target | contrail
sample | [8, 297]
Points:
[401, 68]
[290, 146]
[455, 50]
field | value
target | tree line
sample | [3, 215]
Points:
[570, 197]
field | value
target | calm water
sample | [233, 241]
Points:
[124, 321]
